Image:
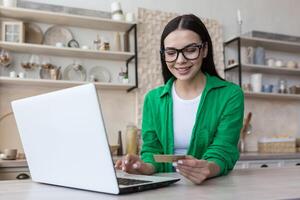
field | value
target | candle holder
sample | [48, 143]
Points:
[239, 28]
[240, 22]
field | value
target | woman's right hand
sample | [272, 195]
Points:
[134, 165]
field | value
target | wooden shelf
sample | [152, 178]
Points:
[277, 45]
[265, 69]
[272, 96]
[231, 67]
[59, 83]
[64, 19]
[65, 51]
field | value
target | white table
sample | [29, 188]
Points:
[281, 183]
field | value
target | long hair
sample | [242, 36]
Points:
[193, 23]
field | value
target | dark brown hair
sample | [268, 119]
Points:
[193, 23]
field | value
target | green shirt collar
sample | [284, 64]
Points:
[211, 83]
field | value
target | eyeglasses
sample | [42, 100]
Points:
[189, 52]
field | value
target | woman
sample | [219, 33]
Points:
[195, 113]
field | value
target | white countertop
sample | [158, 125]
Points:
[281, 183]
[243, 157]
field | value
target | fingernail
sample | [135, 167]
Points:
[174, 164]
[123, 168]
[177, 170]
[126, 162]
[180, 162]
[135, 166]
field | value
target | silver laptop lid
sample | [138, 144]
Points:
[65, 141]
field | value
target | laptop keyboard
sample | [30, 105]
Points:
[127, 181]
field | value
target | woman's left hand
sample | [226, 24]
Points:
[196, 170]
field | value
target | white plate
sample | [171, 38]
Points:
[74, 73]
[100, 74]
[57, 34]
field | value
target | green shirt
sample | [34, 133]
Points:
[216, 130]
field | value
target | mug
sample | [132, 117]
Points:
[12, 74]
[267, 88]
[59, 44]
[10, 154]
[259, 56]
[291, 64]
[279, 63]
[270, 62]
[256, 82]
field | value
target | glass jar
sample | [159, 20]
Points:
[282, 86]
[32, 63]
[5, 58]
[131, 139]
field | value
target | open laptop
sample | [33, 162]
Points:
[65, 142]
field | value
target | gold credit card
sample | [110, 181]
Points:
[168, 158]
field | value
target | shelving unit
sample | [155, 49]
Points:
[59, 83]
[30, 15]
[273, 96]
[275, 45]
[265, 69]
[65, 52]
[64, 19]
[292, 47]
[275, 113]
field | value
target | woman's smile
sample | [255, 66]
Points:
[183, 70]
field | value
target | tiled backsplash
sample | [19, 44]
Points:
[150, 26]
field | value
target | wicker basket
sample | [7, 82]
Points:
[277, 145]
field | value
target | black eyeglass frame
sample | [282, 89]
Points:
[200, 46]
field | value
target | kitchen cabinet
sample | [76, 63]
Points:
[14, 170]
[77, 21]
[268, 164]
[14, 173]
[291, 163]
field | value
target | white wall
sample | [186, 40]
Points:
[278, 16]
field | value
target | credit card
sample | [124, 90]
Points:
[168, 158]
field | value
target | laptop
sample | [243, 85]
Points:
[65, 142]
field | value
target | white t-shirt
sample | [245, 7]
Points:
[184, 116]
